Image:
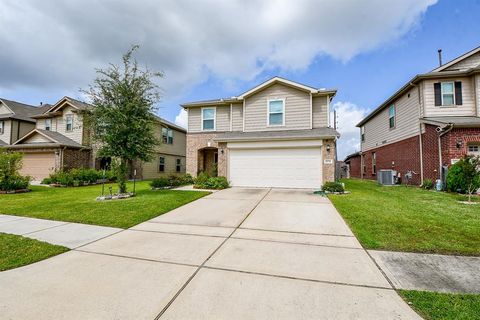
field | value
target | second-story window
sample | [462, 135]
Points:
[362, 133]
[276, 112]
[48, 124]
[208, 119]
[448, 94]
[69, 122]
[167, 135]
[2, 127]
[391, 116]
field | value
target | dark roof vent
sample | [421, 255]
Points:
[440, 57]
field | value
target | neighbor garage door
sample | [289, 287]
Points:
[38, 165]
[281, 167]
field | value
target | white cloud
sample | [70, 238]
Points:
[57, 44]
[348, 115]
[182, 118]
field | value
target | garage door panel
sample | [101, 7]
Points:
[286, 167]
[38, 165]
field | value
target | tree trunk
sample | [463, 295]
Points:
[122, 176]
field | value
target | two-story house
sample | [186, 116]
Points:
[16, 120]
[275, 135]
[59, 140]
[428, 124]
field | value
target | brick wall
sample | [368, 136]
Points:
[464, 136]
[73, 158]
[355, 166]
[402, 156]
[328, 169]
[196, 142]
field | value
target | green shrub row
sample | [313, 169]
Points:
[172, 181]
[76, 177]
[205, 181]
[10, 178]
[333, 187]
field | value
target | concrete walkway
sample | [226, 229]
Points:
[235, 254]
[430, 272]
[67, 234]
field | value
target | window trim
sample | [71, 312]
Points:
[161, 162]
[283, 113]
[169, 135]
[453, 94]
[2, 126]
[178, 165]
[362, 134]
[214, 118]
[68, 116]
[374, 163]
[50, 126]
[473, 152]
[394, 116]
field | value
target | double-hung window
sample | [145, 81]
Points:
[161, 164]
[362, 133]
[391, 116]
[448, 93]
[48, 124]
[179, 165]
[208, 119]
[474, 150]
[167, 135]
[276, 112]
[69, 122]
[2, 126]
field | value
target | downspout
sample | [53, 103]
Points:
[421, 154]
[441, 133]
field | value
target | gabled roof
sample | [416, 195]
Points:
[170, 124]
[352, 155]
[77, 104]
[52, 139]
[457, 60]
[21, 111]
[263, 85]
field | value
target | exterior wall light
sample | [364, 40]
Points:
[459, 144]
[327, 148]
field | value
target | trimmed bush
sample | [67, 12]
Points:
[10, 178]
[427, 184]
[77, 177]
[172, 181]
[161, 182]
[216, 183]
[333, 187]
[464, 176]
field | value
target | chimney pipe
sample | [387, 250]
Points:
[41, 103]
[440, 57]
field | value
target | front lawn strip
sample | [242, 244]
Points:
[17, 251]
[445, 306]
[79, 205]
[399, 218]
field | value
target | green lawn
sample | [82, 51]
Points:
[409, 219]
[79, 204]
[445, 306]
[17, 251]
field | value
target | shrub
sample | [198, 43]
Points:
[172, 181]
[10, 178]
[464, 176]
[161, 182]
[427, 184]
[333, 187]
[76, 177]
[211, 183]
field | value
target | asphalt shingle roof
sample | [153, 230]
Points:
[318, 133]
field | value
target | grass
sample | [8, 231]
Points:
[409, 219]
[17, 251]
[445, 306]
[79, 204]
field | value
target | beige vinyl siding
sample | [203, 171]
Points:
[237, 117]
[150, 169]
[319, 112]
[20, 129]
[297, 109]
[179, 142]
[377, 130]
[36, 138]
[4, 109]
[41, 123]
[59, 125]
[7, 131]
[222, 121]
[194, 120]
[477, 93]
[470, 62]
[468, 104]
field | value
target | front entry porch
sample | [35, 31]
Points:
[208, 161]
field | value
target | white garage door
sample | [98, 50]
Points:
[285, 167]
[38, 165]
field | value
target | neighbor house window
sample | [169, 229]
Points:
[364, 167]
[448, 93]
[474, 150]
[2, 127]
[374, 163]
[69, 122]
[48, 124]
[391, 116]
[161, 164]
[362, 133]
[276, 112]
[208, 119]
[170, 136]
[179, 165]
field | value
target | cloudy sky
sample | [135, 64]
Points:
[210, 49]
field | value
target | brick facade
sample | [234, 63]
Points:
[329, 168]
[76, 158]
[455, 143]
[196, 143]
[354, 166]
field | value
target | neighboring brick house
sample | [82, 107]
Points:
[274, 135]
[353, 163]
[58, 140]
[427, 125]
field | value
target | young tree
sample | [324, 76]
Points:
[464, 176]
[122, 118]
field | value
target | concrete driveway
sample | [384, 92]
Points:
[235, 254]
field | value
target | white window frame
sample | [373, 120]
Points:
[394, 116]
[68, 116]
[268, 113]
[49, 126]
[2, 126]
[214, 118]
[362, 134]
[475, 153]
[453, 94]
